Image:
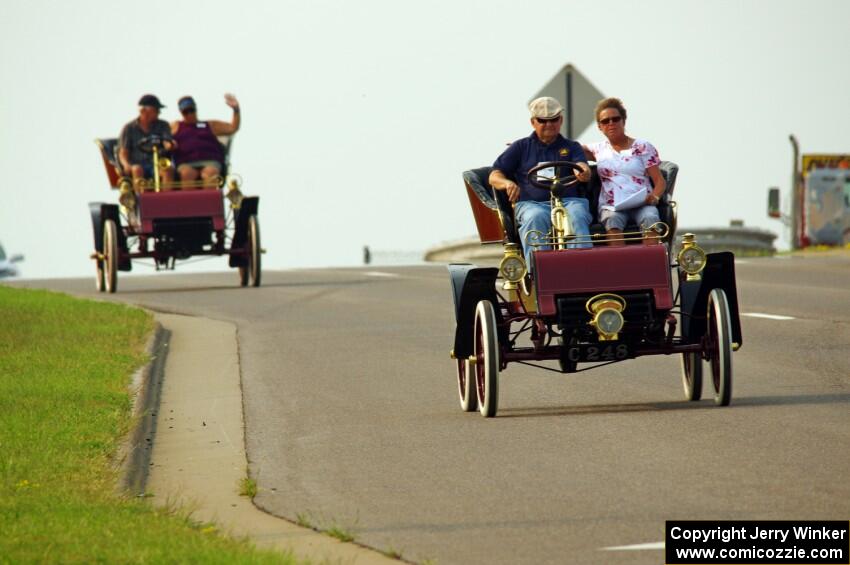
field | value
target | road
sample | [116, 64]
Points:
[352, 417]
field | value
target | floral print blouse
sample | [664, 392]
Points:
[623, 173]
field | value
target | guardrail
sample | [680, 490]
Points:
[738, 239]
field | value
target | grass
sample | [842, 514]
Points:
[248, 487]
[329, 527]
[64, 406]
[393, 553]
[303, 520]
[340, 532]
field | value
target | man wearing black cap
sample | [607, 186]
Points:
[199, 152]
[135, 161]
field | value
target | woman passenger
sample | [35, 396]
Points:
[199, 153]
[625, 165]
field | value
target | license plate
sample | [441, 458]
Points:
[599, 352]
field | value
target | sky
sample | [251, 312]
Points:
[358, 118]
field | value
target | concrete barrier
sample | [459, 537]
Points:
[738, 239]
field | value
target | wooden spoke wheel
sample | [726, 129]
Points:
[252, 272]
[466, 386]
[486, 359]
[110, 256]
[720, 346]
[692, 375]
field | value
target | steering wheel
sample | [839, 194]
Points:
[147, 143]
[554, 182]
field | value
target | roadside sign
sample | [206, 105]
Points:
[822, 161]
[578, 96]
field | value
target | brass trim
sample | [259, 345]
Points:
[216, 182]
[157, 183]
[528, 296]
[596, 303]
[689, 242]
[606, 302]
[536, 238]
[512, 251]
[603, 335]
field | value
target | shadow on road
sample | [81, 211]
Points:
[748, 401]
[171, 290]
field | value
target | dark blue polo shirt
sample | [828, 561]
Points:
[526, 153]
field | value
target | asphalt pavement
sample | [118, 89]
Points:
[351, 417]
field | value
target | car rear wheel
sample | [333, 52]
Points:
[720, 346]
[486, 359]
[692, 375]
[466, 386]
[110, 256]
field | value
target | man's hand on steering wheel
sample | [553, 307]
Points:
[581, 173]
[584, 173]
[147, 143]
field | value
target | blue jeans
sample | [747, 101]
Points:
[537, 216]
[644, 216]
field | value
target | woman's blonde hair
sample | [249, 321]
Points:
[615, 103]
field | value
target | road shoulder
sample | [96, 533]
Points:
[198, 457]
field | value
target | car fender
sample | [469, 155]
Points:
[247, 208]
[100, 212]
[470, 285]
[719, 272]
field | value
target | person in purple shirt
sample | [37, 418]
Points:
[531, 204]
[199, 152]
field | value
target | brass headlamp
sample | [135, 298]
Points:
[691, 258]
[606, 310]
[512, 266]
[126, 195]
[233, 193]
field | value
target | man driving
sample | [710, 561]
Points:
[135, 161]
[531, 204]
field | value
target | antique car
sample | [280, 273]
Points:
[172, 221]
[620, 298]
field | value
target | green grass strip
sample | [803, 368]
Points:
[65, 365]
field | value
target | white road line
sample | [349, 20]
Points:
[767, 316]
[636, 547]
[379, 274]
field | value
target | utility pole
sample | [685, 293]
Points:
[796, 194]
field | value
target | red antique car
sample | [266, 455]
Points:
[169, 222]
[588, 307]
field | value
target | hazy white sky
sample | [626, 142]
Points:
[359, 117]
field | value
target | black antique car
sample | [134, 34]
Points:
[588, 307]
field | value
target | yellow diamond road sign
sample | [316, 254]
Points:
[578, 96]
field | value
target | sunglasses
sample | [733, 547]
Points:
[547, 120]
[188, 111]
[612, 120]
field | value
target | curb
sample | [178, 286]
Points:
[198, 458]
[145, 389]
